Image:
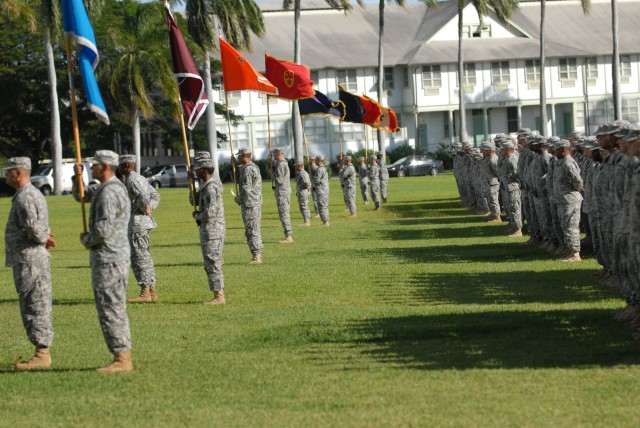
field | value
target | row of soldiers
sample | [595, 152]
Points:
[559, 187]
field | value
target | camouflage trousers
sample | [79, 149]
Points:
[303, 203]
[251, 216]
[493, 200]
[141, 260]
[323, 206]
[350, 198]
[374, 187]
[109, 281]
[314, 197]
[594, 227]
[383, 188]
[570, 220]
[212, 255]
[364, 189]
[535, 229]
[32, 280]
[543, 212]
[284, 212]
[524, 204]
[514, 208]
[555, 222]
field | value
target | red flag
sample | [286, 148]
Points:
[372, 111]
[388, 120]
[192, 96]
[393, 121]
[238, 73]
[292, 80]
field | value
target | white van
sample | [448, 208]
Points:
[42, 176]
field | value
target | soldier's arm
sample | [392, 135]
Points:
[154, 197]
[33, 220]
[104, 224]
[281, 176]
[574, 176]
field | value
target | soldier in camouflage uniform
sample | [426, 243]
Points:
[363, 178]
[250, 201]
[27, 240]
[384, 175]
[567, 185]
[282, 191]
[509, 178]
[348, 180]
[303, 188]
[492, 177]
[313, 170]
[374, 181]
[210, 219]
[320, 181]
[109, 254]
[144, 199]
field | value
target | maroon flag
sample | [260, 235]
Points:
[192, 96]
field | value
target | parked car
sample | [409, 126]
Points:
[167, 176]
[42, 177]
[415, 165]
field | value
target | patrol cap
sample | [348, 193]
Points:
[299, 163]
[622, 132]
[507, 145]
[602, 130]
[127, 159]
[373, 157]
[466, 145]
[589, 142]
[554, 138]
[563, 144]
[531, 139]
[347, 158]
[243, 152]
[277, 151]
[361, 158]
[320, 157]
[204, 163]
[380, 153]
[633, 135]
[550, 143]
[575, 134]
[106, 157]
[18, 163]
[523, 131]
[203, 155]
[618, 125]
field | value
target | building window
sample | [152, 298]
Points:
[388, 78]
[353, 132]
[630, 110]
[500, 72]
[568, 69]
[625, 66]
[348, 79]
[264, 98]
[512, 119]
[532, 71]
[315, 78]
[469, 75]
[591, 65]
[431, 77]
[405, 77]
[315, 130]
[239, 134]
[476, 31]
[279, 134]
[233, 98]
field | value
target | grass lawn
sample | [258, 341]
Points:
[418, 315]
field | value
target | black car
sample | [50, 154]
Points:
[415, 165]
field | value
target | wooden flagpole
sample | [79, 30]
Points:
[192, 186]
[366, 144]
[233, 163]
[76, 134]
[270, 157]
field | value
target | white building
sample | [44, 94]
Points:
[502, 72]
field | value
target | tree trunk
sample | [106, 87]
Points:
[296, 121]
[543, 75]
[135, 128]
[615, 63]
[212, 136]
[462, 114]
[55, 140]
[381, 134]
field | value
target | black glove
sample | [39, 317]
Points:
[273, 187]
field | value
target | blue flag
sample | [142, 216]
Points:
[77, 27]
[321, 104]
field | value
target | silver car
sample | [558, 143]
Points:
[167, 176]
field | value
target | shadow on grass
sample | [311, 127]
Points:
[11, 370]
[493, 340]
[73, 302]
[435, 220]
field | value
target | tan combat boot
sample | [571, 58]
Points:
[573, 256]
[515, 234]
[153, 293]
[218, 298]
[41, 360]
[307, 222]
[256, 259]
[352, 216]
[121, 364]
[497, 219]
[326, 224]
[286, 240]
[143, 297]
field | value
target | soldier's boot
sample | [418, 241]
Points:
[41, 360]
[256, 259]
[384, 200]
[121, 364]
[377, 208]
[484, 213]
[497, 219]
[574, 256]
[143, 297]
[307, 222]
[153, 293]
[626, 314]
[366, 202]
[530, 241]
[218, 298]
[537, 242]
[516, 234]
[352, 216]
[553, 246]
[560, 250]
[326, 224]
[287, 240]
[316, 216]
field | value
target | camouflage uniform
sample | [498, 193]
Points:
[384, 176]
[374, 184]
[282, 192]
[141, 195]
[314, 195]
[348, 179]
[210, 217]
[25, 237]
[509, 178]
[110, 258]
[321, 185]
[567, 185]
[492, 174]
[364, 182]
[303, 186]
[250, 201]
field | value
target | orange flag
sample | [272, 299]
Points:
[238, 73]
[388, 120]
[292, 80]
[372, 111]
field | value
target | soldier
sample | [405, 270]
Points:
[374, 181]
[363, 178]
[27, 239]
[384, 175]
[144, 199]
[282, 191]
[320, 182]
[492, 174]
[509, 176]
[567, 186]
[303, 188]
[348, 179]
[210, 219]
[250, 201]
[313, 171]
[109, 254]
[540, 169]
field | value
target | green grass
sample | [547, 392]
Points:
[418, 315]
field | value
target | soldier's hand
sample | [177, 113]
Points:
[237, 199]
[77, 169]
[148, 210]
[273, 187]
[82, 236]
[50, 242]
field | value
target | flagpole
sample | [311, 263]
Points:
[76, 134]
[306, 147]
[366, 143]
[233, 164]
[270, 157]
[192, 186]
[341, 142]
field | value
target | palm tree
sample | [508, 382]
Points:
[237, 18]
[140, 65]
[503, 10]
[19, 11]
